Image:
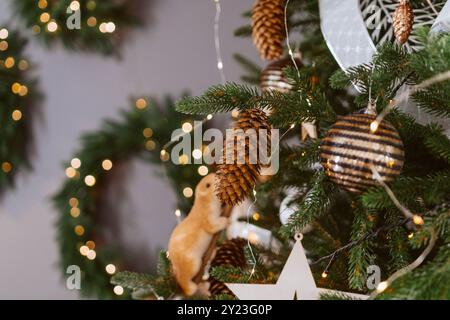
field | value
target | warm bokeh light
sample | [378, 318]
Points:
[110, 268]
[79, 230]
[141, 103]
[16, 115]
[118, 290]
[89, 180]
[52, 26]
[75, 163]
[75, 212]
[71, 172]
[188, 192]
[107, 164]
[203, 170]
[6, 166]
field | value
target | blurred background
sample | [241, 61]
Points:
[174, 51]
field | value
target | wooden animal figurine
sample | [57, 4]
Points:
[191, 238]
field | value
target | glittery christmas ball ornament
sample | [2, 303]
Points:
[351, 148]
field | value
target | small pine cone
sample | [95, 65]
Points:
[403, 21]
[268, 29]
[230, 253]
[240, 166]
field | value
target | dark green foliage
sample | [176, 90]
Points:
[119, 141]
[360, 256]
[87, 38]
[15, 136]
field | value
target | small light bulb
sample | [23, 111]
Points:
[209, 116]
[292, 126]
[52, 26]
[203, 170]
[197, 154]
[84, 250]
[374, 126]
[418, 220]
[186, 127]
[107, 164]
[89, 180]
[324, 274]
[110, 268]
[4, 33]
[411, 235]
[110, 27]
[141, 103]
[220, 65]
[188, 192]
[75, 163]
[71, 172]
[118, 290]
[74, 5]
[178, 213]
[382, 286]
[91, 255]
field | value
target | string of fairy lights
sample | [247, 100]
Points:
[9, 62]
[49, 24]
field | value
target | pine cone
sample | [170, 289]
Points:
[230, 253]
[238, 171]
[268, 29]
[403, 21]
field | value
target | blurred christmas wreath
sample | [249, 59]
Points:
[18, 96]
[142, 132]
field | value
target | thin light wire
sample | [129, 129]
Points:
[405, 95]
[408, 268]
[377, 177]
[366, 237]
[288, 42]
[249, 245]
[217, 41]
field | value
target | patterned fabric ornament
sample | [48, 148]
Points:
[350, 149]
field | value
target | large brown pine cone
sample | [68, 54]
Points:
[268, 29]
[237, 179]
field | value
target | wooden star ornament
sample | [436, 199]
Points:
[295, 282]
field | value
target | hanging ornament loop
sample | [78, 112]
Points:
[298, 236]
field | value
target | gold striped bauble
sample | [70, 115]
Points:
[350, 149]
[272, 78]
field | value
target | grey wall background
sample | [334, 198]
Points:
[175, 52]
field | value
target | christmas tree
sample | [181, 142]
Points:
[367, 185]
